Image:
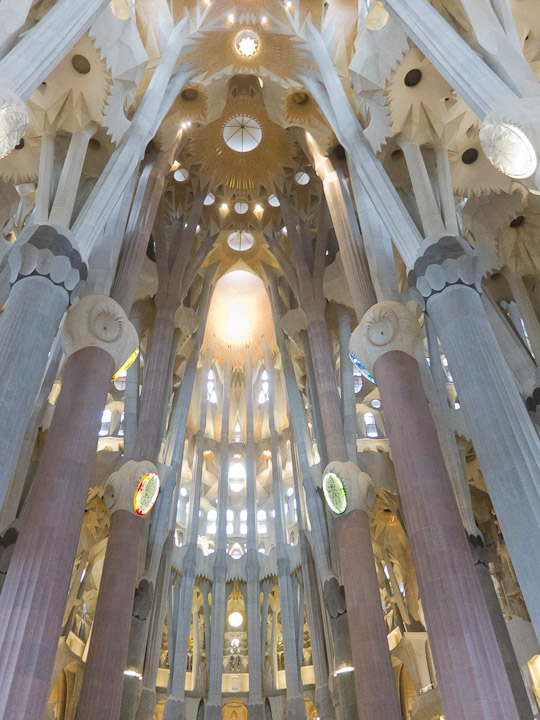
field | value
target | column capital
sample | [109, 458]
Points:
[120, 488]
[357, 485]
[13, 119]
[50, 253]
[385, 327]
[443, 260]
[99, 321]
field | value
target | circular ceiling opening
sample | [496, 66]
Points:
[209, 199]
[300, 98]
[469, 156]
[240, 241]
[241, 207]
[189, 94]
[273, 200]
[181, 175]
[242, 133]
[246, 43]
[413, 77]
[80, 64]
[302, 178]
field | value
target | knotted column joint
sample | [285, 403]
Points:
[447, 260]
[50, 253]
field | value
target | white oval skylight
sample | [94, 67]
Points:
[241, 240]
[181, 175]
[273, 200]
[302, 178]
[241, 207]
[242, 133]
[209, 199]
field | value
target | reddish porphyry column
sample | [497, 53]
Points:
[470, 673]
[34, 593]
[101, 694]
[374, 678]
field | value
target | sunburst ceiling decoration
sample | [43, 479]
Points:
[243, 122]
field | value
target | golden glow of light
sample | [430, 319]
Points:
[258, 208]
[264, 20]
[267, 454]
[129, 361]
[175, 165]
[207, 453]
[288, 4]
[230, 18]
[224, 207]
[235, 619]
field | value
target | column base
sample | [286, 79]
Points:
[255, 711]
[147, 705]
[213, 712]
[324, 704]
[174, 709]
[295, 708]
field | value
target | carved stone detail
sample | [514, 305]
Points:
[99, 321]
[386, 326]
[13, 119]
[358, 485]
[122, 485]
[49, 252]
[449, 260]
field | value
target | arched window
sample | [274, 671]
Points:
[121, 426]
[237, 433]
[262, 527]
[357, 377]
[371, 425]
[211, 388]
[120, 381]
[230, 522]
[243, 522]
[105, 423]
[263, 394]
[237, 477]
[211, 522]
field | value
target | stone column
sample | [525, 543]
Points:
[348, 399]
[175, 705]
[526, 311]
[470, 672]
[101, 693]
[446, 282]
[46, 274]
[212, 710]
[376, 692]
[253, 590]
[34, 593]
[295, 705]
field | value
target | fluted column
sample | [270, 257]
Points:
[34, 592]
[175, 705]
[213, 709]
[295, 705]
[348, 399]
[470, 672]
[46, 273]
[447, 281]
[101, 693]
[253, 591]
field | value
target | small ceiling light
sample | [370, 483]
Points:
[258, 208]
[246, 43]
[289, 492]
[376, 403]
[284, 230]
[183, 492]
[224, 207]
[230, 18]
[235, 619]
[267, 454]
[264, 20]
[288, 4]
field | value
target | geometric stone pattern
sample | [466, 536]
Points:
[448, 261]
[49, 253]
